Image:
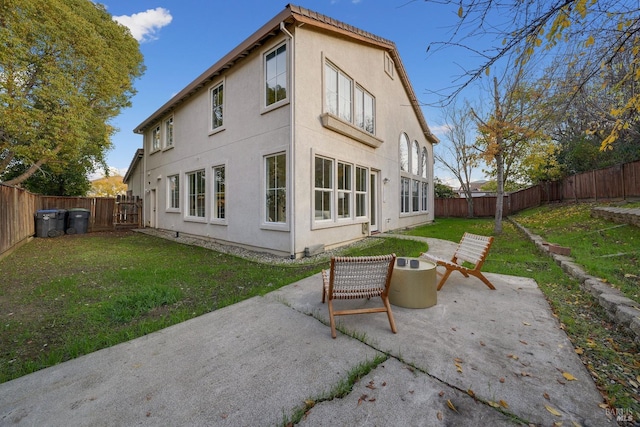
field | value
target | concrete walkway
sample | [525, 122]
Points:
[477, 358]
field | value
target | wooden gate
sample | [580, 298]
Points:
[127, 212]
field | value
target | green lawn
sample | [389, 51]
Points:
[64, 297]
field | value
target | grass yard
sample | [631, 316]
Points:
[64, 297]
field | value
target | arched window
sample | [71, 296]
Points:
[404, 152]
[425, 164]
[415, 158]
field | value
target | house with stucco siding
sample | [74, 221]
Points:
[306, 136]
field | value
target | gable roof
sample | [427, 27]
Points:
[137, 157]
[290, 15]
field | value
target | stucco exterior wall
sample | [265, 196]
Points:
[250, 132]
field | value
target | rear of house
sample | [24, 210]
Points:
[308, 135]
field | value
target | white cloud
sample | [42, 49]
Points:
[144, 26]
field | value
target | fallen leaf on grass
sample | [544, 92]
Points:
[309, 403]
[450, 405]
[569, 377]
[553, 411]
[579, 350]
[603, 405]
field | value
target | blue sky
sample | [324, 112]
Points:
[181, 39]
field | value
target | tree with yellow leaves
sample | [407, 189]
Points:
[599, 30]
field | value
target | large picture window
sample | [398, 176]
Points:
[404, 152]
[196, 194]
[276, 75]
[323, 188]
[219, 192]
[276, 186]
[217, 106]
[405, 196]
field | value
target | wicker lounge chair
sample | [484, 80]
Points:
[472, 249]
[356, 278]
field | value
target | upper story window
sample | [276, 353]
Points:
[364, 110]
[275, 66]
[155, 138]
[168, 133]
[338, 93]
[217, 105]
[347, 100]
[389, 66]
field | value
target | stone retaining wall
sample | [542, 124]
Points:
[618, 307]
[619, 215]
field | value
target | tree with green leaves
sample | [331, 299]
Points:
[66, 69]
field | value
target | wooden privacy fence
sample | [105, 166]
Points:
[18, 208]
[620, 182]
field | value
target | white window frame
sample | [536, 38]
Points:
[361, 192]
[281, 188]
[405, 195]
[425, 196]
[217, 89]
[325, 191]
[389, 65]
[173, 193]
[168, 133]
[414, 180]
[280, 76]
[192, 213]
[363, 111]
[344, 190]
[156, 134]
[216, 214]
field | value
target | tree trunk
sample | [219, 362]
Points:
[497, 227]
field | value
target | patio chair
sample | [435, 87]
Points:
[472, 249]
[357, 278]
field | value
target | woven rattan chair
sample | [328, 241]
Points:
[357, 278]
[472, 249]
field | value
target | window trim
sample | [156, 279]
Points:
[264, 224]
[214, 218]
[165, 136]
[187, 209]
[156, 138]
[222, 126]
[277, 104]
[170, 199]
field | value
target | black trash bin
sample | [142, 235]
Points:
[61, 221]
[78, 221]
[46, 222]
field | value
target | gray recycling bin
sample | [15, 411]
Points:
[78, 221]
[46, 223]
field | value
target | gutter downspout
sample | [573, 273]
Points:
[292, 114]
